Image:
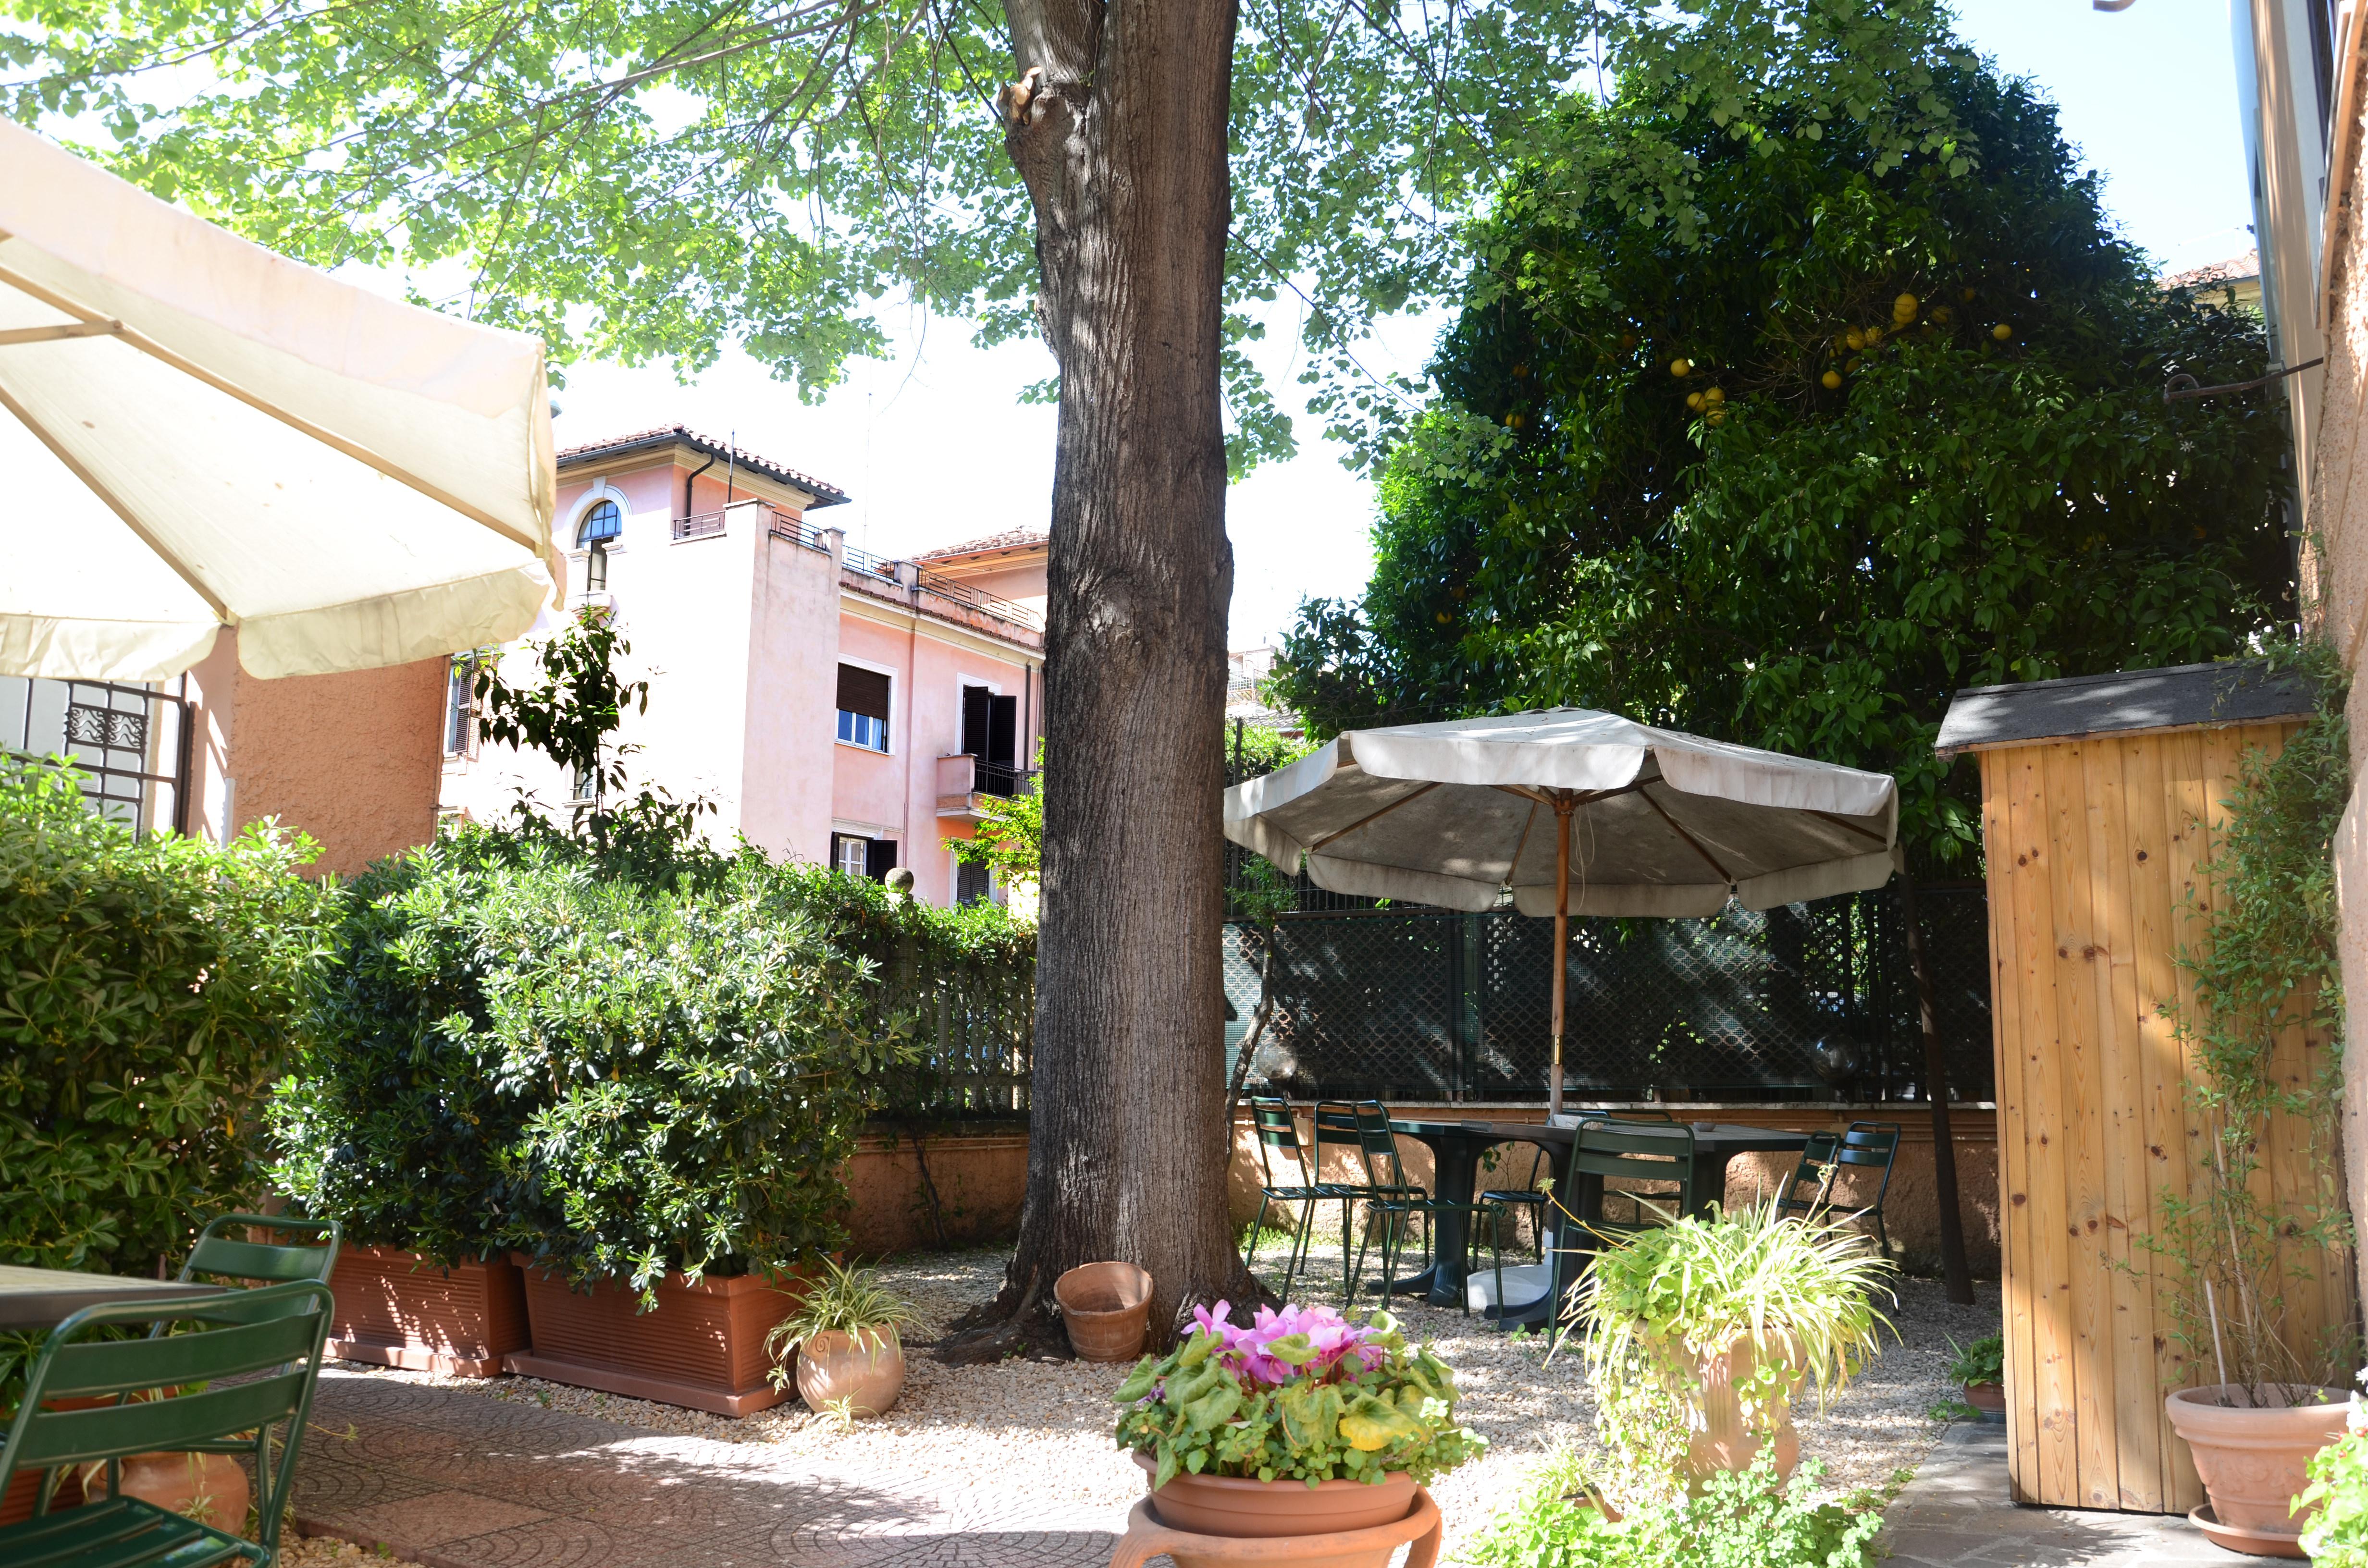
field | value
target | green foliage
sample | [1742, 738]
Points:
[1009, 836]
[1747, 552]
[1304, 1396]
[1983, 1361]
[1660, 1302]
[2266, 971]
[147, 987]
[2337, 1536]
[530, 1046]
[593, 170]
[1747, 1520]
[839, 1299]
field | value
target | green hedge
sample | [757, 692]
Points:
[650, 1058]
[146, 993]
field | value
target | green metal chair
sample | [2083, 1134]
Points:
[1395, 1201]
[1655, 1153]
[221, 1255]
[269, 1339]
[1827, 1159]
[1334, 1125]
[1277, 1136]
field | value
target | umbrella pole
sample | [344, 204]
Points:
[1563, 804]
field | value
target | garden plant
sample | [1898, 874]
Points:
[1301, 1394]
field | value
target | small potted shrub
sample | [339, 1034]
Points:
[1700, 1332]
[844, 1331]
[2333, 1509]
[1302, 1424]
[1979, 1370]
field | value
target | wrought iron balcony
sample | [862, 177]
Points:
[965, 781]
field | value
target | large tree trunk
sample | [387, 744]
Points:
[1121, 144]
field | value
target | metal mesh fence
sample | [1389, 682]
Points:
[1803, 1002]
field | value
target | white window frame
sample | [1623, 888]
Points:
[896, 698]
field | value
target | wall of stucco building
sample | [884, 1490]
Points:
[351, 759]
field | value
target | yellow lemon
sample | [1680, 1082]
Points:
[1718, 417]
[1969, 296]
[1874, 335]
[1941, 313]
[1515, 421]
[1832, 378]
[1682, 367]
[1854, 338]
[1903, 309]
[1444, 618]
[1520, 370]
[1713, 396]
[1851, 365]
[2001, 332]
[1627, 340]
[1694, 402]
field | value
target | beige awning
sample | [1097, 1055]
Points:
[196, 433]
[1662, 824]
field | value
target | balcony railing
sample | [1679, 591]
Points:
[919, 582]
[962, 778]
[780, 524]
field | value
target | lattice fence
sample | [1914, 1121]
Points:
[1430, 1005]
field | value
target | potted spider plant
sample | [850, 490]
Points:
[1699, 1335]
[840, 1344]
[1300, 1424]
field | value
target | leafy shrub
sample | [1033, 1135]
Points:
[1983, 1361]
[2337, 1537]
[1747, 1520]
[1300, 1393]
[622, 1059]
[146, 990]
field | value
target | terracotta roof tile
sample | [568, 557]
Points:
[1009, 539]
[665, 435]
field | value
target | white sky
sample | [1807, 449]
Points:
[934, 450]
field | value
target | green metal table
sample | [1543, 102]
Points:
[43, 1298]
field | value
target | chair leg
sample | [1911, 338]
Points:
[1881, 1237]
[1258, 1227]
[1298, 1238]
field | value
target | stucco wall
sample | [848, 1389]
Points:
[352, 759]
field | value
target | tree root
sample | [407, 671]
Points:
[988, 1333]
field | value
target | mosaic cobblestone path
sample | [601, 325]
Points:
[453, 1480]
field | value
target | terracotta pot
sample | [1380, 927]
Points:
[1148, 1537]
[395, 1310]
[16, 1502]
[1719, 1437]
[208, 1488]
[703, 1349]
[869, 1374]
[1225, 1506]
[2254, 1460]
[1989, 1400]
[1106, 1308]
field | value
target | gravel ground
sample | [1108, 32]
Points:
[1042, 1429]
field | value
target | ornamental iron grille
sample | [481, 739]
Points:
[1806, 1001]
[130, 745]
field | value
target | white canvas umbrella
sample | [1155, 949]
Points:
[198, 433]
[1576, 813]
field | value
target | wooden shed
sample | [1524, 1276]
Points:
[2100, 797]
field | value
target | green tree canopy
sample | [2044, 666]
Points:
[1882, 434]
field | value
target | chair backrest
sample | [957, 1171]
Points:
[1334, 1124]
[1871, 1144]
[223, 1252]
[1813, 1170]
[231, 1338]
[1378, 1144]
[1637, 1151]
[1278, 1132]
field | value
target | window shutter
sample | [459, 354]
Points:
[977, 703]
[863, 691]
[1003, 732]
[879, 859]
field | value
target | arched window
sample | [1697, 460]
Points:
[600, 525]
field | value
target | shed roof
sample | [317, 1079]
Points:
[2183, 696]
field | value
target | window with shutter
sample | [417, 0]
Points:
[863, 708]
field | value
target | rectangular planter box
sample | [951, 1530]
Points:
[394, 1312]
[703, 1347]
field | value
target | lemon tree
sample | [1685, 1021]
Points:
[1880, 426]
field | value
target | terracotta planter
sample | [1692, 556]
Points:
[394, 1309]
[1988, 1401]
[869, 1374]
[1719, 1438]
[1148, 1537]
[703, 1349]
[16, 1502]
[208, 1488]
[1223, 1506]
[2254, 1460]
[1105, 1307]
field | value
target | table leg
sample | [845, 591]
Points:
[1575, 1193]
[1455, 1160]
[1709, 1181]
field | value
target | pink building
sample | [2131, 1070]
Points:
[836, 707]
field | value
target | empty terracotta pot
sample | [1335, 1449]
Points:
[1226, 1506]
[869, 1375]
[1105, 1307]
[2253, 1459]
[1989, 1400]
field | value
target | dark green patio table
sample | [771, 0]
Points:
[43, 1298]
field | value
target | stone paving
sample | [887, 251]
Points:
[453, 1479]
[1957, 1511]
